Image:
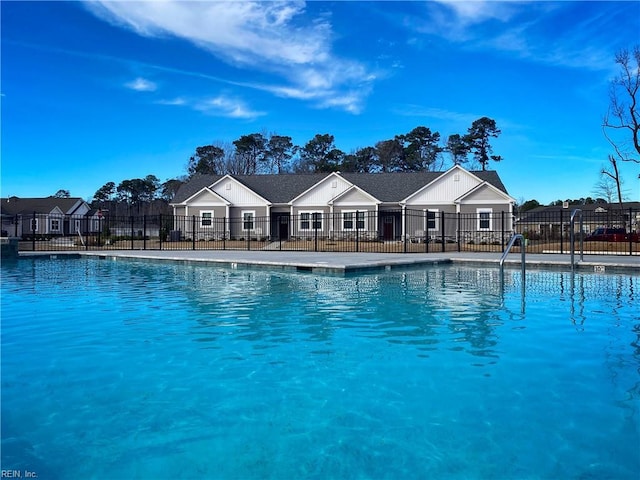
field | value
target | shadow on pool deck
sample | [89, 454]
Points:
[323, 262]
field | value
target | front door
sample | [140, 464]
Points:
[280, 226]
[387, 227]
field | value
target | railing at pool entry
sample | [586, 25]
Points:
[513, 240]
[572, 234]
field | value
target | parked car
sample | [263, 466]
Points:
[612, 235]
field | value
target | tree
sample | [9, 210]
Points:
[169, 189]
[150, 185]
[477, 138]
[62, 194]
[623, 114]
[321, 155]
[104, 194]
[363, 160]
[457, 148]
[529, 205]
[278, 153]
[250, 152]
[606, 188]
[623, 117]
[390, 155]
[207, 160]
[421, 149]
[138, 191]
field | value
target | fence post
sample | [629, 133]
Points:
[193, 232]
[426, 232]
[442, 215]
[224, 233]
[144, 232]
[630, 231]
[132, 236]
[404, 229]
[459, 227]
[33, 231]
[160, 229]
[502, 228]
[315, 232]
[357, 233]
[561, 233]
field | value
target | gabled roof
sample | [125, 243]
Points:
[481, 186]
[281, 189]
[209, 191]
[44, 205]
[592, 211]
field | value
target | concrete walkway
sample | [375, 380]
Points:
[344, 262]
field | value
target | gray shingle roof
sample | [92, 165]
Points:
[281, 189]
[554, 213]
[26, 206]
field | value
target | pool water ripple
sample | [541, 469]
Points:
[142, 370]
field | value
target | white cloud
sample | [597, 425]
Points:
[141, 85]
[226, 106]
[522, 29]
[269, 37]
[174, 101]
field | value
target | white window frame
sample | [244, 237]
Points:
[436, 220]
[479, 212]
[314, 216]
[252, 220]
[204, 217]
[357, 218]
[76, 224]
[34, 224]
[57, 223]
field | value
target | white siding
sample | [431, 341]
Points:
[323, 192]
[445, 189]
[237, 194]
[355, 197]
[484, 195]
[205, 199]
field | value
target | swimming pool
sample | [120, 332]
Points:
[131, 369]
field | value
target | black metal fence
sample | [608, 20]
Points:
[400, 231]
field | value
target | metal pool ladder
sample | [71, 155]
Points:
[572, 234]
[504, 256]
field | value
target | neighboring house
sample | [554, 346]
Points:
[49, 216]
[551, 222]
[338, 204]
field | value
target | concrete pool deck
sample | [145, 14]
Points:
[344, 262]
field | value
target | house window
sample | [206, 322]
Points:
[55, 225]
[34, 224]
[206, 219]
[310, 220]
[348, 219]
[431, 220]
[248, 217]
[76, 224]
[484, 218]
[96, 225]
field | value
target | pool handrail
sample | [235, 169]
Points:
[572, 236]
[508, 249]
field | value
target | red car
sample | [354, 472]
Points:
[612, 235]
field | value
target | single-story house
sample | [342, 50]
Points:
[340, 205]
[553, 221]
[48, 216]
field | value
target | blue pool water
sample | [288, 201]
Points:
[136, 370]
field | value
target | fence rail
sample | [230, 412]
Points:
[402, 231]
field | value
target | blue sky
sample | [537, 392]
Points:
[94, 92]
